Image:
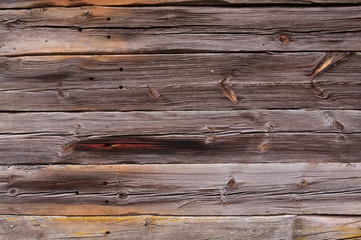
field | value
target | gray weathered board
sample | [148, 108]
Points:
[180, 119]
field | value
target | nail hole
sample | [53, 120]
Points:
[80, 29]
[121, 69]
[91, 78]
[106, 201]
[76, 193]
[46, 40]
[107, 232]
[108, 19]
[105, 183]
[108, 36]
[121, 87]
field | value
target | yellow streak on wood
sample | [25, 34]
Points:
[349, 232]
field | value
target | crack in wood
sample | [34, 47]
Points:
[228, 93]
[327, 61]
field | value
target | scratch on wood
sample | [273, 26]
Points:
[153, 93]
[329, 60]
[228, 92]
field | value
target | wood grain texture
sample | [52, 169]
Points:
[212, 189]
[180, 137]
[69, 3]
[184, 29]
[275, 81]
[177, 228]
[207, 148]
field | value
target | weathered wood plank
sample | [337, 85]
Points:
[180, 137]
[184, 29]
[85, 124]
[75, 83]
[171, 227]
[191, 19]
[212, 189]
[177, 148]
[69, 3]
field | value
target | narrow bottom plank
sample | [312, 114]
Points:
[170, 227]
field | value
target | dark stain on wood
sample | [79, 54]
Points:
[140, 144]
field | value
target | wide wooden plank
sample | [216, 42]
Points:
[168, 82]
[212, 189]
[177, 148]
[69, 3]
[100, 30]
[171, 227]
[180, 137]
[191, 19]
[86, 124]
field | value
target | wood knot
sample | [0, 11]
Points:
[338, 125]
[228, 93]
[303, 183]
[231, 182]
[263, 147]
[285, 39]
[122, 195]
[211, 139]
[342, 139]
[13, 191]
[153, 93]
[62, 94]
[68, 148]
[317, 90]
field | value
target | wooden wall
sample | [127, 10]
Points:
[180, 119]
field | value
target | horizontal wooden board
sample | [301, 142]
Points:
[69, 3]
[169, 82]
[92, 124]
[170, 227]
[176, 148]
[191, 19]
[185, 29]
[212, 189]
[180, 137]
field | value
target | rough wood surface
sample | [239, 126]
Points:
[275, 81]
[92, 124]
[169, 227]
[99, 30]
[238, 119]
[212, 189]
[71, 3]
[180, 137]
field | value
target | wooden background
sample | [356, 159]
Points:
[176, 119]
